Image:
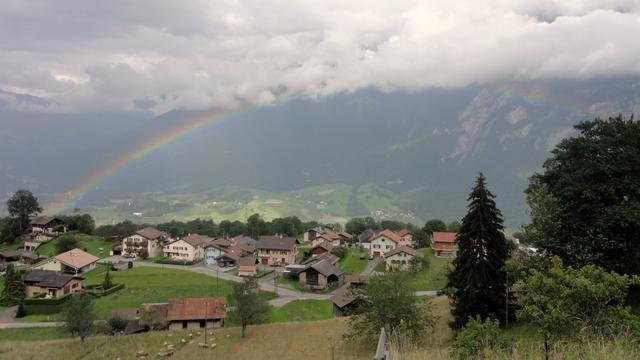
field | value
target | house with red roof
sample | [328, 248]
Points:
[382, 242]
[406, 238]
[444, 243]
[145, 242]
[195, 313]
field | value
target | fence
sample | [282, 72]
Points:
[382, 350]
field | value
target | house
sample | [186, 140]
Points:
[29, 257]
[321, 248]
[247, 266]
[116, 250]
[53, 284]
[195, 313]
[231, 256]
[244, 240]
[382, 242]
[326, 256]
[444, 243]
[346, 302]
[189, 248]
[221, 242]
[400, 258]
[275, 250]
[363, 238]
[212, 252]
[48, 225]
[311, 234]
[147, 242]
[73, 261]
[321, 275]
[406, 238]
[10, 255]
[356, 281]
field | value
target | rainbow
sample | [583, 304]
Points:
[174, 134]
[166, 138]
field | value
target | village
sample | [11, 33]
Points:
[318, 265]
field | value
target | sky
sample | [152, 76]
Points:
[86, 56]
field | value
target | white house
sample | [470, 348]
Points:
[382, 242]
[400, 258]
[212, 252]
[147, 242]
[74, 261]
[406, 238]
[189, 248]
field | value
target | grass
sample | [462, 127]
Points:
[31, 334]
[433, 276]
[89, 242]
[302, 310]
[149, 284]
[351, 264]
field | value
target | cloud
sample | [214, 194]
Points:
[162, 55]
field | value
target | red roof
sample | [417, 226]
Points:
[196, 309]
[403, 232]
[441, 236]
[388, 234]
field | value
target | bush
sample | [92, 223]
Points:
[116, 324]
[66, 243]
[130, 265]
[173, 262]
[339, 251]
[21, 311]
[478, 336]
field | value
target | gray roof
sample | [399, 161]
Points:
[326, 256]
[366, 235]
[151, 233]
[49, 278]
[343, 298]
[276, 243]
[44, 220]
[404, 249]
[325, 268]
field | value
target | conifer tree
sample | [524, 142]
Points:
[14, 290]
[476, 285]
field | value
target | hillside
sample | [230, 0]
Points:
[399, 152]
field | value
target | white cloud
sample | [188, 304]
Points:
[169, 54]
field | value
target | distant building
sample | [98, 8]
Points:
[195, 313]
[382, 242]
[406, 238]
[400, 258]
[53, 284]
[275, 250]
[321, 275]
[444, 243]
[74, 261]
[147, 242]
[189, 248]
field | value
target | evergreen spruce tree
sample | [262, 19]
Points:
[476, 285]
[14, 290]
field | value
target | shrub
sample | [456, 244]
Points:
[66, 243]
[116, 324]
[339, 251]
[21, 311]
[478, 336]
[130, 265]
[173, 262]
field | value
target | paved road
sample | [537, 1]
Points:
[371, 265]
[25, 325]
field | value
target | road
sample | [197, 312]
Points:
[371, 265]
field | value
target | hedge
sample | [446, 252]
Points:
[44, 306]
[173, 262]
[99, 293]
[42, 301]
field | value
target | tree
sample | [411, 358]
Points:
[9, 230]
[404, 317]
[454, 226]
[477, 336]
[79, 316]
[339, 251]
[434, 225]
[107, 282]
[476, 285]
[250, 304]
[82, 223]
[585, 205]
[117, 324]
[21, 206]
[14, 290]
[567, 301]
[66, 243]
[255, 226]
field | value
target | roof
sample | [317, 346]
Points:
[50, 278]
[345, 235]
[329, 236]
[277, 243]
[366, 235]
[44, 220]
[196, 239]
[29, 255]
[196, 308]
[243, 247]
[323, 245]
[359, 279]
[151, 233]
[442, 236]
[243, 240]
[326, 256]
[404, 249]
[76, 258]
[247, 261]
[403, 232]
[388, 234]
[160, 310]
[10, 254]
[343, 298]
[325, 268]
[126, 314]
[222, 242]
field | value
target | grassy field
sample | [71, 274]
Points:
[432, 277]
[351, 264]
[89, 242]
[147, 284]
[31, 334]
[302, 310]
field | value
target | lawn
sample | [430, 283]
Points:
[302, 310]
[89, 242]
[148, 285]
[433, 276]
[351, 264]
[32, 334]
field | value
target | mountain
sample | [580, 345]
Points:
[410, 155]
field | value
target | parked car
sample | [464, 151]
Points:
[128, 256]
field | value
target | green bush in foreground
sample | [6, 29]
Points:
[477, 337]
